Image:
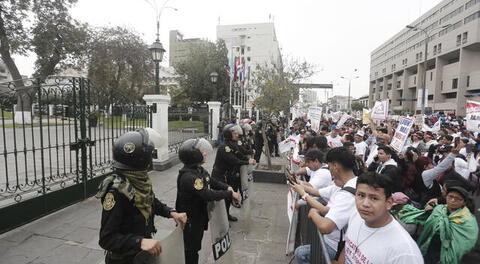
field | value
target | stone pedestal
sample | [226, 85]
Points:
[215, 108]
[160, 124]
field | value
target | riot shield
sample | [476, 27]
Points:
[246, 181]
[172, 251]
[219, 228]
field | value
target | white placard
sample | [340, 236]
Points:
[342, 120]
[401, 133]
[315, 116]
[380, 110]
[473, 116]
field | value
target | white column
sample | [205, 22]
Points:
[249, 109]
[215, 108]
[257, 115]
[238, 111]
[160, 121]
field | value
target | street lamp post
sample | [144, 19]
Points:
[424, 78]
[349, 107]
[213, 79]
[156, 48]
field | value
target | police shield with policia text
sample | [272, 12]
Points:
[195, 188]
[129, 203]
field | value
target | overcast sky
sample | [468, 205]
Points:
[336, 35]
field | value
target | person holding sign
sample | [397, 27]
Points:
[195, 188]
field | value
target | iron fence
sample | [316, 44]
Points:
[186, 123]
[57, 133]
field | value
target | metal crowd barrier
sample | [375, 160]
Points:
[309, 235]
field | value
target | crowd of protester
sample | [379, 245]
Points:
[374, 204]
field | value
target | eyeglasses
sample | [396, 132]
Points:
[455, 198]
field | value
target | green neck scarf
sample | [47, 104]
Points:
[143, 198]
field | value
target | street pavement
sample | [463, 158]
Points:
[71, 235]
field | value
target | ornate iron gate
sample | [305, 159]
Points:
[55, 142]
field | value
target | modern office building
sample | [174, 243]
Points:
[362, 100]
[180, 47]
[252, 44]
[453, 60]
[338, 103]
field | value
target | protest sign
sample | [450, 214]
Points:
[336, 116]
[287, 144]
[418, 121]
[366, 116]
[473, 116]
[401, 133]
[380, 110]
[219, 229]
[434, 129]
[315, 116]
[342, 120]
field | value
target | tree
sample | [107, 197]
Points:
[277, 84]
[195, 83]
[357, 106]
[15, 33]
[120, 60]
[58, 40]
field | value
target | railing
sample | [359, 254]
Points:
[308, 235]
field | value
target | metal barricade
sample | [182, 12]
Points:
[309, 235]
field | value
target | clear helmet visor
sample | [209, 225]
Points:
[247, 127]
[203, 146]
[238, 129]
[155, 138]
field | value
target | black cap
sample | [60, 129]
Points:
[460, 190]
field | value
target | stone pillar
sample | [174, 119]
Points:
[249, 109]
[215, 108]
[257, 115]
[160, 124]
[238, 109]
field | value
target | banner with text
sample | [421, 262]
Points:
[315, 116]
[342, 120]
[401, 133]
[380, 110]
[473, 116]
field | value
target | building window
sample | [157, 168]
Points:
[431, 76]
[414, 80]
[468, 81]
[248, 48]
[439, 49]
[248, 58]
[435, 50]
[455, 83]
[430, 97]
[421, 55]
[459, 40]
[399, 84]
[451, 95]
[389, 86]
[441, 85]
[464, 37]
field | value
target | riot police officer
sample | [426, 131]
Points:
[227, 163]
[258, 141]
[194, 189]
[245, 142]
[129, 204]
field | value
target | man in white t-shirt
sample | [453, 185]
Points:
[373, 235]
[333, 217]
[334, 140]
[360, 145]
[316, 169]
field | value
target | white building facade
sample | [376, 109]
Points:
[253, 44]
[453, 61]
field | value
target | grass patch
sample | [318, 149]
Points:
[178, 125]
[6, 115]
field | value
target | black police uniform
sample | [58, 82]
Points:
[123, 226]
[258, 143]
[227, 166]
[272, 139]
[194, 191]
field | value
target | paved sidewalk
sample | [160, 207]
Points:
[71, 235]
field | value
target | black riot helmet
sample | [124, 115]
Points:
[135, 150]
[190, 152]
[227, 132]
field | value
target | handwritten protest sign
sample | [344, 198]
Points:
[401, 133]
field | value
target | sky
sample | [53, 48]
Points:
[337, 36]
